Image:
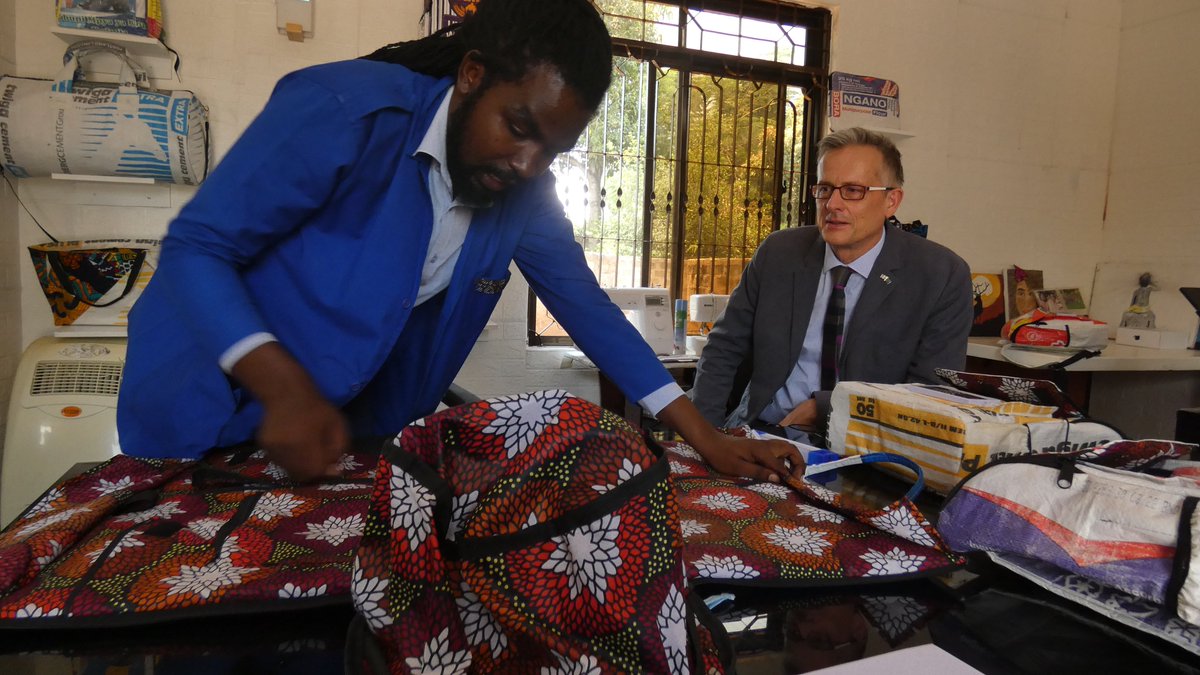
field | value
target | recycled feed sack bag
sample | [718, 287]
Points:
[74, 126]
[948, 432]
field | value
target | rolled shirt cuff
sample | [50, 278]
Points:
[243, 347]
[661, 397]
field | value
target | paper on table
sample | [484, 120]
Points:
[919, 660]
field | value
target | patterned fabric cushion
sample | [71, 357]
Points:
[143, 540]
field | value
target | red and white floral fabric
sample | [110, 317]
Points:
[529, 533]
[745, 532]
[135, 541]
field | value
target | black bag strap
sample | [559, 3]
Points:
[1074, 358]
[134, 270]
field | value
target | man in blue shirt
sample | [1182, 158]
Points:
[906, 302]
[332, 274]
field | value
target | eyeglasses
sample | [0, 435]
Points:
[850, 193]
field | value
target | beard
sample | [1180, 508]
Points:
[464, 178]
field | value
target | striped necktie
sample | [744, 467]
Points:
[835, 315]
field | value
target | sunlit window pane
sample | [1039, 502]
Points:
[746, 37]
[652, 22]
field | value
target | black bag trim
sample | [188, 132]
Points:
[86, 580]
[362, 651]
[476, 548]
[1183, 556]
[429, 478]
[639, 485]
[240, 516]
[263, 607]
[699, 613]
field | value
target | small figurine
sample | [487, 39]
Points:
[1139, 314]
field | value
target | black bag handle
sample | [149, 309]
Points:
[134, 270]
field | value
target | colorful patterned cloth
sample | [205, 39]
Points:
[527, 533]
[738, 531]
[142, 540]
[1008, 388]
[76, 279]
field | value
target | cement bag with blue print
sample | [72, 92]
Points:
[75, 126]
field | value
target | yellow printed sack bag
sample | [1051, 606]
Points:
[950, 432]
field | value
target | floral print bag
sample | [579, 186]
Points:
[528, 533]
[738, 531]
[134, 541]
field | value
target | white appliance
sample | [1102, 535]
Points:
[63, 411]
[706, 307]
[649, 310]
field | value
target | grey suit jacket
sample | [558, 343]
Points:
[914, 315]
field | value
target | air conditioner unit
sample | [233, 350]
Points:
[63, 411]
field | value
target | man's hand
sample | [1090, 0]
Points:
[804, 416]
[301, 431]
[768, 460]
[760, 460]
[306, 436]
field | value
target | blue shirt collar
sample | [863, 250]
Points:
[862, 266]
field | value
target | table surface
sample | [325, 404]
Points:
[1114, 357]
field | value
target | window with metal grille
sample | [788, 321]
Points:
[75, 377]
[702, 147]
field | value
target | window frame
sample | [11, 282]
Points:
[813, 76]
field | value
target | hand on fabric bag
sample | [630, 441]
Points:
[803, 416]
[761, 460]
[768, 460]
[301, 431]
[305, 437]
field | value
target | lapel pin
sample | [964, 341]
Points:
[885, 279]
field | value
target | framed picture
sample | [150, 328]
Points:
[988, 303]
[1019, 287]
[1073, 301]
[1050, 301]
[447, 12]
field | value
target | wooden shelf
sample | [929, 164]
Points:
[151, 53]
[102, 179]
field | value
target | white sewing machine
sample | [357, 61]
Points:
[707, 307]
[649, 310]
[704, 309]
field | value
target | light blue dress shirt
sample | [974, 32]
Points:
[805, 378]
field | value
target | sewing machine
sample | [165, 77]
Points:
[649, 310]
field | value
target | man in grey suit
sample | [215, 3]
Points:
[907, 300]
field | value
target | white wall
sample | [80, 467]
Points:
[1011, 105]
[10, 271]
[1153, 213]
[1153, 220]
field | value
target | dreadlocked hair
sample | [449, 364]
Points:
[512, 36]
